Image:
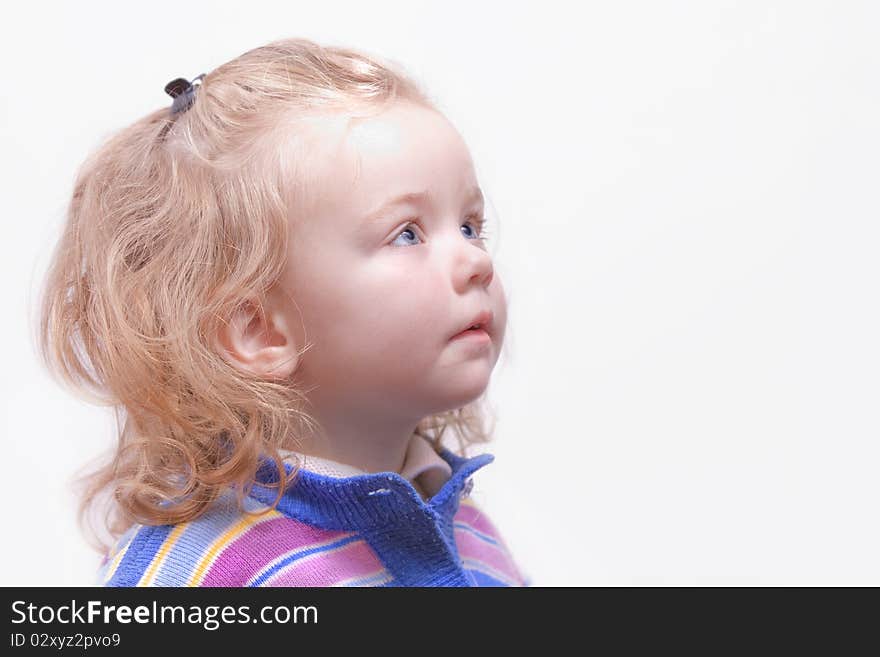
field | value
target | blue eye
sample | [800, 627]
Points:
[478, 232]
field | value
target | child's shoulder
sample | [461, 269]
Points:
[231, 546]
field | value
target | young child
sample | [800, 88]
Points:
[275, 281]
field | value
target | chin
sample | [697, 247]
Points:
[465, 396]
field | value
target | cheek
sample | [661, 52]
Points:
[413, 311]
[499, 297]
[402, 316]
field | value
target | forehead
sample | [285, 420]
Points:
[406, 148]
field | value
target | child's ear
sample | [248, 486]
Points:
[260, 340]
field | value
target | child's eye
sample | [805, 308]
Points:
[475, 220]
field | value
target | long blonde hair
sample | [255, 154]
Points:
[173, 222]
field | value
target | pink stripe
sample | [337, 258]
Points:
[472, 547]
[355, 559]
[259, 545]
[477, 519]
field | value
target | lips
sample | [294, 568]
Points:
[482, 320]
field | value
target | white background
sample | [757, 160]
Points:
[687, 196]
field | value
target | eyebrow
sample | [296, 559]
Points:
[474, 194]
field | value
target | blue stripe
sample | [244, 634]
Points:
[482, 579]
[373, 580]
[476, 533]
[140, 553]
[119, 546]
[299, 555]
[193, 544]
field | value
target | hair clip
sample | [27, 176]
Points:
[183, 92]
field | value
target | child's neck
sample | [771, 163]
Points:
[360, 445]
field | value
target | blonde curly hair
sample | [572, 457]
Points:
[173, 222]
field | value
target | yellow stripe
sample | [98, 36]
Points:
[239, 528]
[169, 542]
[371, 576]
[117, 559]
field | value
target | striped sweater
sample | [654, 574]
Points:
[362, 530]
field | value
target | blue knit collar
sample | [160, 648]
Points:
[365, 501]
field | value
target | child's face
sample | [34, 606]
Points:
[380, 303]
